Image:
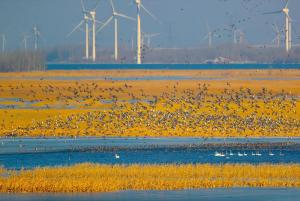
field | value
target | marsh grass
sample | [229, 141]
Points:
[107, 178]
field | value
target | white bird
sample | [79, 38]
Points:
[258, 154]
[217, 154]
[231, 154]
[245, 154]
[239, 154]
[117, 156]
[271, 154]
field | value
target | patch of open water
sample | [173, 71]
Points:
[30, 153]
[235, 194]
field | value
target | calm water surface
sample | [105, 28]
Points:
[29, 153]
[238, 194]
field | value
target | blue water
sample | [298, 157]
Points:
[30, 153]
[151, 156]
[153, 78]
[235, 194]
[52, 66]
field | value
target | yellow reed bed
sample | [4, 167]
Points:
[219, 108]
[106, 178]
[2, 170]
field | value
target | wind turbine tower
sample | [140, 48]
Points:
[209, 37]
[87, 35]
[139, 39]
[93, 15]
[235, 36]
[238, 36]
[210, 34]
[36, 36]
[24, 41]
[140, 6]
[288, 27]
[3, 42]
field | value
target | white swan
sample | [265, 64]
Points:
[239, 154]
[217, 154]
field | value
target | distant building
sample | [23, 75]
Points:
[218, 60]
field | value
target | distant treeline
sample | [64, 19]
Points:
[233, 53]
[36, 60]
[22, 61]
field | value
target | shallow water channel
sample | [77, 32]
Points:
[17, 153]
[236, 194]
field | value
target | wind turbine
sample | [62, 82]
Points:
[140, 6]
[238, 36]
[209, 36]
[115, 16]
[36, 36]
[148, 37]
[288, 25]
[235, 32]
[3, 42]
[24, 41]
[88, 15]
[278, 32]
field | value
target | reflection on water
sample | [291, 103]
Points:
[238, 194]
[30, 153]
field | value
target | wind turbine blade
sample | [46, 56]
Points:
[149, 13]
[112, 6]
[287, 4]
[96, 6]
[273, 12]
[99, 22]
[204, 38]
[125, 16]
[82, 6]
[289, 17]
[77, 27]
[105, 24]
[155, 34]
[207, 27]
[275, 28]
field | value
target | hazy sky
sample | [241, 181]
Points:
[183, 22]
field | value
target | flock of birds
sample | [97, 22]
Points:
[129, 111]
[240, 154]
[221, 154]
